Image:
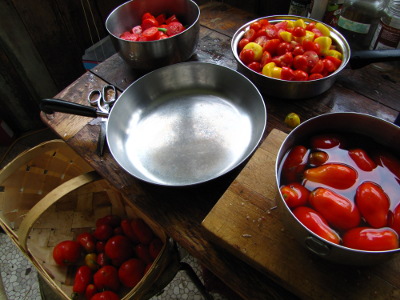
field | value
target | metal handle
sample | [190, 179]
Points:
[317, 246]
[49, 106]
[362, 58]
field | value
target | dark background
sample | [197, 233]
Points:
[42, 43]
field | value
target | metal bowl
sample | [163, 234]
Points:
[154, 54]
[284, 88]
[379, 130]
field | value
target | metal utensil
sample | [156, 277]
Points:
[103, 100]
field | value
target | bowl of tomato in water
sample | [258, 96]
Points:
[152, 34]
[338, 176]
[293, 57]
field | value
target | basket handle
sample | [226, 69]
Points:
[63, 189]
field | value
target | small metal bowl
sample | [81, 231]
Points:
[284, 88]
[154, 54]
[378, 130]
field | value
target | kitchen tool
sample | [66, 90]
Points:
[383, 132]
[103, 100]
[306, 89]
[182, 124]
[154, 54]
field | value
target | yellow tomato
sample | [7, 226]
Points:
[292, 120]
[324, 30]
[257, 49]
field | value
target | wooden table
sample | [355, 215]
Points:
[181, 211]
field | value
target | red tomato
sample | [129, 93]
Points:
[102, 259]
[310, 26]
[282, 48]
[171, 19]
[147, 15]
[155, 247]
[337, 176]
[174, 28]
[317, 32]
[87, 241]
[318, 67]
[151, 33]
[142, 231]
[246, 56]
[295, 194]
[362, 159]
[67, 252]
[255, 25]
[129, 36]
[242, 43]
[284, 60]
[149, 22]
[261, 40]
[326, 141]
[328, 65]
[110, 220]
[103, 232]
[82, 279]
[373, 204]
[297, 50]
[316, 223]
[281, 25]
[294, 164]
[100, 245]
[90, 291]
[250, 34]
[106, 295]
[339, 211]
[255, 66]
[299, 31]
[128, 231]
[271, 46]
[389, 161]
[371, 239]
[131, 272]
[315, 76]
[119, 248]
[300, 62]
[394, 219]
[142, 252]
[318, 158]
[336, 61]
[161, 19]
[300, 75]
[106, 278]
[312, 59]
[271, 32]
[311, 46]
[265, 58]
[287, 73]
[137, 29]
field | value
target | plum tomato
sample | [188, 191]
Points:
[83, 278]
[394, 219]
[316, 223]
[295, 194]
[339, 211]
[142, 252]
[294, 164]
[128, 231]
[67, 252]
[87, 241]
[362, 159]
[90, 291]
[326, 141]
[335, 175]
[373, 203]
[131, 272]
[371, 239]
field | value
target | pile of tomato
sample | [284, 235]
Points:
[345, 189]
[289, 50]
[113, 257]
[154, 28]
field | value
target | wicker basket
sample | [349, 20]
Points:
[49, 194]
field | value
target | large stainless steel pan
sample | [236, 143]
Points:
[182, 124]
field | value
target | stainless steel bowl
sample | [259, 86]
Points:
[284, 88]
[385, 133]
[154, 54]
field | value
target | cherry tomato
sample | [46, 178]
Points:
[318, 67]
[300, 75]
[315, 76]
[149, 22]
[91, 261]
[100, 245]
[294, 164]
[287, 73]
[67, 252]
[373, 204]
[242, 43]
[282, 48]
[338, 176]
[261, 40]
[299, 31]
[82, 279]
[362, 159]
[300, 62]
[336, 61]
[371, 239]
[106, 278]
[106, 295]
[171, 19]
[318, 158]
[271, 32]
[103, 232]
[119, 248]
[161, 19]
[298, 50]
[155, 247]
[271, 46]
[87, 241]
[142, 231]
[316, 223]
[255, 66]
[311, 46]
[265, 58]
[131, 272]
[250, 34]
[340, 212]
[151, 33]
[312, 59]
[310, 26]
[102, 259]
[255, 25]
[246, 56]
[329, 66]
[284, 60]
[295, 194]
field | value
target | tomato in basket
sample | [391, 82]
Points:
[106, 295]
[67, 253]
[106, 278]
[131, 272]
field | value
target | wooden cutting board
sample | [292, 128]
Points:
[246, 221]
